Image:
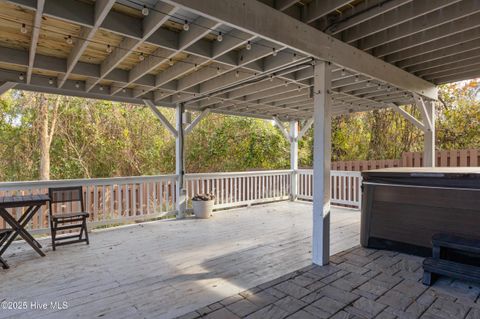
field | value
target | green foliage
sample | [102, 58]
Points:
[102, 139]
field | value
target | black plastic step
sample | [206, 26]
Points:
[451, 269]
[456, 242]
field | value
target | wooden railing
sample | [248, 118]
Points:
[121, 200]
[345, 187]
[240, 188]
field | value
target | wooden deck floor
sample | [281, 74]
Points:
[167, 268]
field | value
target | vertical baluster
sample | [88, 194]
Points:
[141, 184]
[119, 201]
[112, 202]
[148, 197]
[103, 203]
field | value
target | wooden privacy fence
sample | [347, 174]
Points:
[453, 158]
[120, 200]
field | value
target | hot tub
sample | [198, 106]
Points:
[403, 207]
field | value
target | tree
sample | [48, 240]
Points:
[47, 118]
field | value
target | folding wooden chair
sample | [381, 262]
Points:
[60, 197]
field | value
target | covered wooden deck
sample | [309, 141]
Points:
[167, 268]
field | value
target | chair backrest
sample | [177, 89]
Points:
[66, 195]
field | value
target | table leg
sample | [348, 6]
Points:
[4, 263]
[20, 230]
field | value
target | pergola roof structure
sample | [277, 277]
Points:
[249, 57]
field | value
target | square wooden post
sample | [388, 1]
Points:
[180, 191]
[294, 159]
[322, 114]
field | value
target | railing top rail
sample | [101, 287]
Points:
[332, 172]
[236, 174]
[83, 181]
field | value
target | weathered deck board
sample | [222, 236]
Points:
[167, 268]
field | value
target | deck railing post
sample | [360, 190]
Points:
[322, 114]
[293, 159]
[429, 139]
[180, 192]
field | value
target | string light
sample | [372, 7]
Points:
[101, 88]
[21, 77]
[271, 78]
[248, 46]
[186, 26]
[170, 61]
[141, 57]
[299, 88]
[23, 29]
[77, 85]
[69, 39]
[274, 52]
[124, 90]
[50, 81]
[237, 74]
[343, 72]
[356, 78]
[286, 83]
[145, 11]
[218, 71]
[294, 57]
[368, 84]
[108, 49]
[219, 37]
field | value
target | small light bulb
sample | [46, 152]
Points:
[77, 85]
[286, 83]
[124, 90]
[299, 88]
[271, 78]
[219, 37]
[343, 72]
[21, 77]
[69, 39]
[356, 78]
[23, 29]
[389, 88]
[50, 81]
[237, 74]
[108, 49]
[249, 45]
[218, 71]
[179, 95]
[196, 67]
[101, 88]
[170, 61]
[274, 52]
[186, 26]
[141, 57]
[294, 57]
[368, 84]
[145, 11]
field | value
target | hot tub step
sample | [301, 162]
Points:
[433, 266]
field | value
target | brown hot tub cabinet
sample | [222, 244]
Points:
[403, 207]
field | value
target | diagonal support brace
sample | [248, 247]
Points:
[161, 117]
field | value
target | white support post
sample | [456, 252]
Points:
[322, 116]
[293, 159]
[429, 139]
[427, 110]
[179, 164]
